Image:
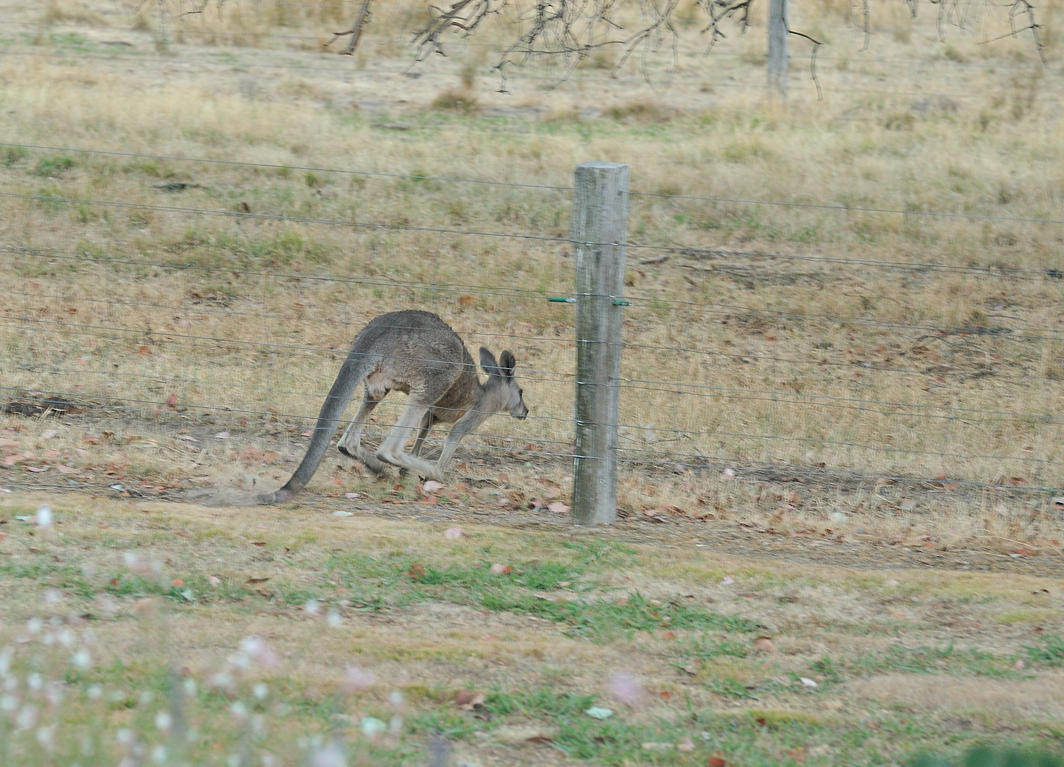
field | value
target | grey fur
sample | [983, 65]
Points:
[416, 353]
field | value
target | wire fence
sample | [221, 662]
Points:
[126, 332]
[182, 303]
[868, 81]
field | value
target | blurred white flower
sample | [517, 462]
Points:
[627, 689]
[82, 659]
[329, 755]
[44, 517]
[372, 726]
[258, 652]
[46, 735]
[26, 717]
[222, 681]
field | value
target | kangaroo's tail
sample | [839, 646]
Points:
[351, 374]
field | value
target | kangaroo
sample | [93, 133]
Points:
[417, 353]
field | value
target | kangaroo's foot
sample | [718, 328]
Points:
[360, 453]
[370, 460]
[406, 461]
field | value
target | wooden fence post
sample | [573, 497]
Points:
[598, 233]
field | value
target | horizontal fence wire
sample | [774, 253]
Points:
[690, 308]
[207, 308]
[563, 449]
[886, 407]
[787, 472]
[135, 405]
[413, 67]
[842, 209]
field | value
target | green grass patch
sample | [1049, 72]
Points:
[991, 756]
[560, 591]
[1049, 653]
[50, 167]
[948, 659]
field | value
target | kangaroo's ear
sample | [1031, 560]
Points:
[507, 363]
[487, 361]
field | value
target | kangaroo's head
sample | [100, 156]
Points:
[502, 387]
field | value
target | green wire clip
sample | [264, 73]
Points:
[567, 300]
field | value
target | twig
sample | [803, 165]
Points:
[812, 61]
[361, 20]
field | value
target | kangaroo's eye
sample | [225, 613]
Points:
[520, 392]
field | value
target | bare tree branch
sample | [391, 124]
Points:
[1024, 7]
[463, 15]
[361, 20]
[812, 60]
[576, 29]
[720, 11]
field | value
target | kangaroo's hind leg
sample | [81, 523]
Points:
[427, 422]
[350, 444]
[412, 421]
[419, 442]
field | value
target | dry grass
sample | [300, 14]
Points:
[786, 365]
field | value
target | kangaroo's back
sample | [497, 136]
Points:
[414, 352]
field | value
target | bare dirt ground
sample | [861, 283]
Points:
[845, 545]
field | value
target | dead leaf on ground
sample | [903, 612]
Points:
[467, 700]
